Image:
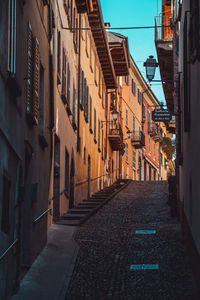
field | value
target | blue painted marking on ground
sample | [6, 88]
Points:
[144, 267]
[145, 231]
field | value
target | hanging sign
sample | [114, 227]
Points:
[161, 115]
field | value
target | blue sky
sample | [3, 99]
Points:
[141, 42]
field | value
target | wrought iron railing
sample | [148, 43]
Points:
[116, 129]
[138, 137]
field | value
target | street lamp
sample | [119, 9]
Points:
[114, 115]
[150, 65]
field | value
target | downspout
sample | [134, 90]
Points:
[51, 88]
[79, 75]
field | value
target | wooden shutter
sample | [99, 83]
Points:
[95, 125]
[99, 135]
[86, 103]
[102, 144]
[64, 63]
[68, 90]
[82, 90]
[59, 58]
[36, 80]
[29, 75]
[91, 114]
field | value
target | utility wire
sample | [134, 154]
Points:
[116, 28]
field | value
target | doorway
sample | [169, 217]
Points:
[89, 171]
[71, 197]
[56, 182]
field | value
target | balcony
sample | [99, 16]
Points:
[164, 47]
[155, 133]
[115, 137]
[138, 140]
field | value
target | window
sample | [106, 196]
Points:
[58, 58]
[66, 171]
[149, 121]
[91, 115]
[139, 97]
[139, 130]
[158, 157]
[91, 53]
[86, 38]
[5, 218]
[64, 75]
[32, 86]
[126, 150]
[95, 68]
[99, 136]
[74, 117]
[149, 145]
[193, 30]
[41, 102]
[75, 31]
[68, 90]
[126, 117]
[84, 155]
[161, 159]
[133, 127]
[127, 79]
[100, 82]
[134, 156]
[102, 144]
[102, 93]
[12, 37]
[95, 140]
[143, 112]
[133, 87]
[81, 89]
[154, 151]
[86, 100]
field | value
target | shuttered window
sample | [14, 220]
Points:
[91, 115]
[126, 117]
[102, 145]
[91, 53]
[100, 82]
[126, 150]
[95, 68]
[86, 100]
[139, 96]
[133, 87]
[74, 117]
[33, 69]
[127, 79]
[12, 36]
[59, 58]
[68, 90]
[102, 94]
[99, 136]
[149, 122]
[81, 89]
[95, 140]
[134, 163]
[133, 123]
[64, 83]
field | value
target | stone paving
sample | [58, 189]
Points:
[109, 245]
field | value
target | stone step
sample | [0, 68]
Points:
[80, 210]
[71, 216]
[87, 206]
[67, 222]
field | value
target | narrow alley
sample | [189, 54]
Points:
[132, 249]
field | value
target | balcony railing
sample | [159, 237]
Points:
[155, 133]
[163, 33]
[138, 140]
[115, 137]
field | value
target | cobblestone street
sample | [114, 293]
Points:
[111, 247]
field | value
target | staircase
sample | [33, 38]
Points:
[78, 215]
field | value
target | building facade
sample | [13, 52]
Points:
[24, 137]
[183, 69]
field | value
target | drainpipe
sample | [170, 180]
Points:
[79, 75]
